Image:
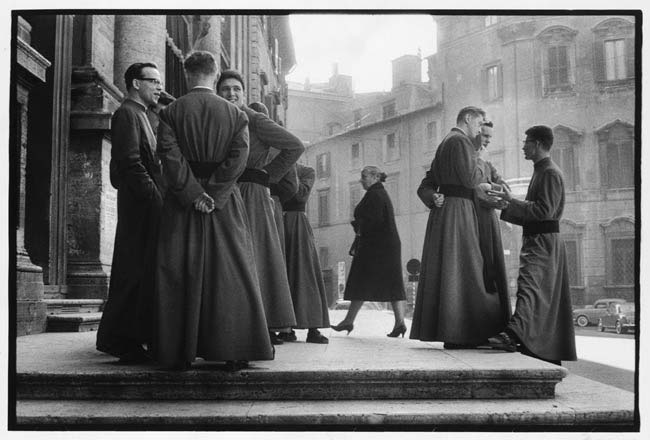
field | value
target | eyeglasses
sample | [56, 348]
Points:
[152, 80]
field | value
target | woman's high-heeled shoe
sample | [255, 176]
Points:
[341, 327]
[397, 331]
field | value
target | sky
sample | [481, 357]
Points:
[362, 45]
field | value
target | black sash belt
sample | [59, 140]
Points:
[255, 176]
[293, 205]
[203, 170]
[457, 191]
[543, 227]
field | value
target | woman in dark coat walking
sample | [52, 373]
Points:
[376, 271]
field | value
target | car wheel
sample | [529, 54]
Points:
[600, 326]
[582, 321]
[619, 328]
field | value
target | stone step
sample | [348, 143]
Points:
[349, 367]
[57, 306]
[580, 404]
[73, 322]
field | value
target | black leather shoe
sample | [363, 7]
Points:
[274, 339]
[288, 337]
[315, 337]
[502, 341]
[397, 331]
[137, 355]
[341, 327]
[453, 346]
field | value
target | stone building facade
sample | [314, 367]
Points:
[576, 74]
[67, 76]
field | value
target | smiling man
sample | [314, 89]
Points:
[263, 170]
[137, 175]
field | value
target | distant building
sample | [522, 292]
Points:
[575, 74]
[67, 82]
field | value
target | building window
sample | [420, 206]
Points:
[357, 118]
[388, 110]
[391, 148]
[432, 135]
[323, 207]
[564, 155]
[492, 83]
[617, 148]
[355, 155]
[355, 196]
[557, 58]
[620, 257]
[324, 256]
[323, 165]
[615, 60]
[333, 128]
[614, 51]
[491, 20]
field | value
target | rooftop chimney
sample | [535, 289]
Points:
[407, 69]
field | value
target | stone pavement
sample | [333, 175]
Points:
[577, 401]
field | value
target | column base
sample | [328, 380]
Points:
[88, 281]
[31, 317]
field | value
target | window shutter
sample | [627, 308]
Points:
[629, 57]
[599, 60]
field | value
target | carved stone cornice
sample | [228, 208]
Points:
[31, 61]
[94, 99]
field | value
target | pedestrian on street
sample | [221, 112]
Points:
[209, 303]
[260, 172]
[452, 304]
[303, 268]
[136, 173]
[376, 270]
[542, 322]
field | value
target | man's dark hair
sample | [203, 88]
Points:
[200, 62]
[259, 108]
[541, 133]
[488, 124]
[135, 72]
[227, 74]
[474, 111]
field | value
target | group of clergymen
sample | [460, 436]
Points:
[205, 263]
[462, 297]
[229, 285]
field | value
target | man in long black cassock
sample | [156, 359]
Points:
[208, 302]
[136, 174]
[542, 322]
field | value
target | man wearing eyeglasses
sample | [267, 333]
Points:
[542, 323]
[136, 173]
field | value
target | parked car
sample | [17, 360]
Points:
[590, 315]
[620, 317]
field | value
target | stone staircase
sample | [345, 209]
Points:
[359, 380]
[73, 315]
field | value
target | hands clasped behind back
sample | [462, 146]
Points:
[204, 203]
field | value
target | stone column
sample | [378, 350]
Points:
[138, 38]
[29, 277]
[207, 34]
